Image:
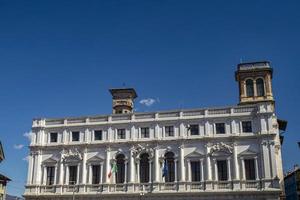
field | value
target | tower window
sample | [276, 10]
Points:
[249, 88]
[260, 87]
[220, 128]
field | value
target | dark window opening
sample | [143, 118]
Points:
[50, 175]
[96, 174]
[249, 88]
[75, 136]
[250, 169]
[220, 128]
[260, 89]
[121, 133]
[195, 167]
[194, 128]
[120, 175]
[247, 127]
[144, 168]
[222, 170]
[170, 175]
[169, 130]
[145, 132]
[53, 137]
[72, 175]
[98, 135]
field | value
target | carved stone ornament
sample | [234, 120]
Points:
[221, 147]
[71, 155]
[140, 149]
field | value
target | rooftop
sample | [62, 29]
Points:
[254, 65]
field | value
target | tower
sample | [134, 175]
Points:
[123, 100]
[255, 82]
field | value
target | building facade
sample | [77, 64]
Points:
[292, 184]
[215, 153]
[3, 179]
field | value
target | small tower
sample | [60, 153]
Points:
[255, 82]
[123, 100]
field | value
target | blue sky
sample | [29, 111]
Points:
[58, 58]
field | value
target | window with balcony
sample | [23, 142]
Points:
[72, 175]
[169, 131]
[120, 174]
[96, 174]
[222, 170]
[121, 134]
[194, 128]
[250, 169]
[247, 126]
[97, 135]
[75, 136]
[53, 137]
[195, 168]
[145, 132]
[144, 168]
[170, 173]
[220, 128]
[50, 175]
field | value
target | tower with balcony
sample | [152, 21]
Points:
[123, 100]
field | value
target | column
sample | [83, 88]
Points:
[208, 167]
[181, 130]
[138, 170]
[256, 168]
[243, 168]
[44, 175]
[189, 170]
[38, 171]
[84, 172]
[157, 131]
[55, 173]
[29, 173]
[236, 163]
[150, 171]
[90, 168]
[107, 165]
[132, 166]
[126, 171]
[156, 165]
[202, 169]
[175, 168]
[67, 174]
[182, 168]
[61, 173]
[229, 168]
[216, 169]
[78, 174]
[101, 173]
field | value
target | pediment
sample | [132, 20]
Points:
[51, 160]
[248, 152]
[194, 154]
[96, 158]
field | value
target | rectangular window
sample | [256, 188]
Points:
[145, 132]
[53, 137]
[121, 133]
[220, 128]
[247, 127]
[222, 170]
[195, 167]
[169, 130]
[98, 135]
[75, 136]
[96, 174]
[250, 169]
[194, 128]
[50, 175]
[72, 175]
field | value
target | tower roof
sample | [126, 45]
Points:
[123, 93]
[254, 65]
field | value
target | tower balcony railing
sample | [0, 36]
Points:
[238, 185]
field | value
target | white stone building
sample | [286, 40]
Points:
[212, 153]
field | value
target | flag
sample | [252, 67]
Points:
[165, 169]
[114, 169]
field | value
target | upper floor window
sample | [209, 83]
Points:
[120, 174]
[195, 168]
[194, 128]
[50, 175]
[250, 169]
[53, 137]
[249, 88]
[222, 170]
[75, 136]
[247, 126]
[169, 131]
[72, 175]
[95, 174]
[121, 134]
[220, 128]
[98, 135]
[260, 88]
[145, 132]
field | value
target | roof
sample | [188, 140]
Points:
[4, 178]
[123, 91]
[2, 157]
[254, 65]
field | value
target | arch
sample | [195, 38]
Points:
[120, 174]
[249, 88]
[260, 87]
[144, 168]
[169, 161]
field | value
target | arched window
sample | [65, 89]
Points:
[170, 174]
[249, 88]
[260, 87]
[144, 168]
[120, 174]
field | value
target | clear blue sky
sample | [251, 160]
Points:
[58, 58]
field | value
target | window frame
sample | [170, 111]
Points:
[169, 129]
[50, 137]
[74, 179]
[191, 129]
[218, 130]
[224, 175]
[99, 132]
[251, 127]
[250, 175]
[72, 136]
[260, 87]
[50, 176]
[195, 171]
[251, 86]
[96, 176]
[145, 132]
[121, 134]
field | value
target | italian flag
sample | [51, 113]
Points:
[114, 169]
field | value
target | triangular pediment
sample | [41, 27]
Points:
[194, 154]
[96, 158]
[50, 160]
[248, 152]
